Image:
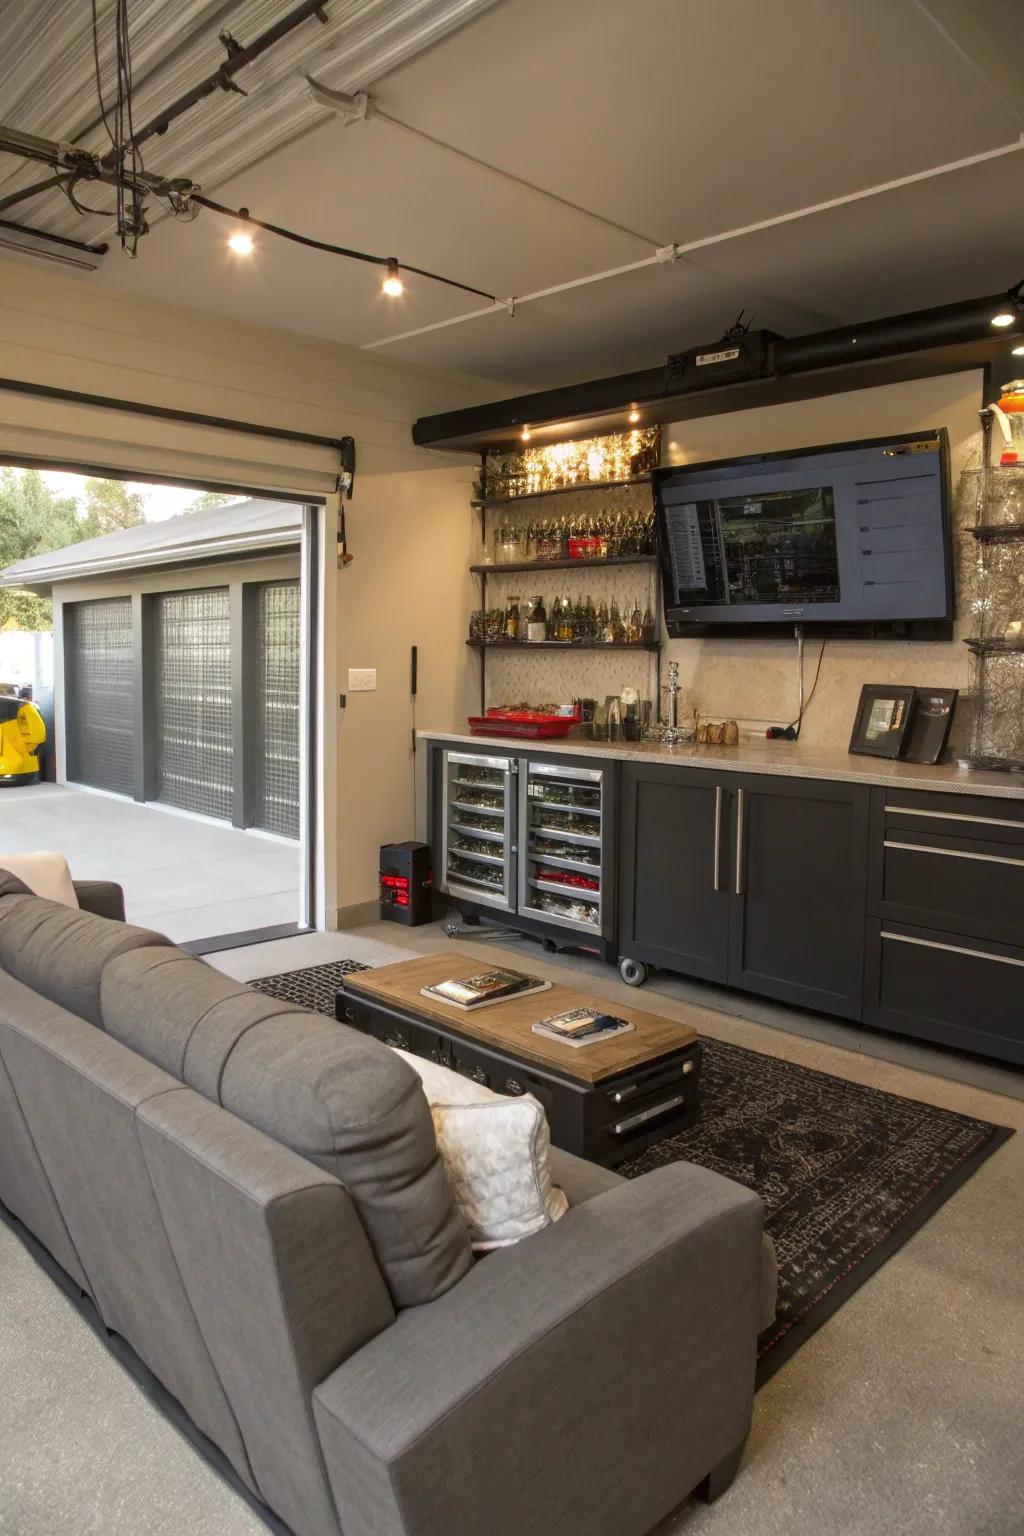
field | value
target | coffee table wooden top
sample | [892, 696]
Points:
[508, 1026]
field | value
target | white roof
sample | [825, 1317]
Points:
[240, 527]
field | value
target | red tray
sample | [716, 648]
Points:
[523, 725]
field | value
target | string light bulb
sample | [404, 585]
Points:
[392, 284]
[1003, 318]
[241, 243]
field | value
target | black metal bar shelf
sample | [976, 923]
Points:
[561, 490]
[995, 647]
[570, 647]
[998, 533]
[499, 569]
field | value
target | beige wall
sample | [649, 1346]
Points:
[408, 523]
[754, 681]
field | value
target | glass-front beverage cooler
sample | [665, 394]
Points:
[560, 835]
[532, 837]
[478, 854]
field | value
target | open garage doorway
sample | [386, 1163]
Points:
[166, 635]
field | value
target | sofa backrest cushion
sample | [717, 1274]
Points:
[25, 1187]
[61, 952]
[281, 1321]
[337, 1097]
[79, 1092]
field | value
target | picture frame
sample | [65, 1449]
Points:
[883, 718]
[930, 726]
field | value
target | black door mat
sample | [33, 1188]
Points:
[847, 1174]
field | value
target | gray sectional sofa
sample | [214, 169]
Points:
[252, 1200]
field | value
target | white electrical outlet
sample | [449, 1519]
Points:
[362, 679]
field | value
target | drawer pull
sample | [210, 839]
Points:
[954, 853]
[622, 1127]
[954, 949]
[982, 821]
[716, 884]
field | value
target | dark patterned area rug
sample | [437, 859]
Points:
[847, 1174]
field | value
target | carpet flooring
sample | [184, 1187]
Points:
[847, 1174]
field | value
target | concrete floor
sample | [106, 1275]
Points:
[901, 1417]
[187, 878]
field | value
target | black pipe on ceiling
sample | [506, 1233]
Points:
[966, 324]
[944, 326]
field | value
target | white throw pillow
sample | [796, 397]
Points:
[495, 1149]
[45, 874]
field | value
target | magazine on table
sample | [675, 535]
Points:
[484, 988]
[581, 1026]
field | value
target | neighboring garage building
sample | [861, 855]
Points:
[177, 668]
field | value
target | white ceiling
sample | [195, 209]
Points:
[545, 142]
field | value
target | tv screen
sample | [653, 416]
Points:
[853, 534]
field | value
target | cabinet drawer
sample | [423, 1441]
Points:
[948, 861]
[946, 988]
[970, 816]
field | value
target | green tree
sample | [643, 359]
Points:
[35, 520]
[32, 520]
[110, 505]
[207, 499]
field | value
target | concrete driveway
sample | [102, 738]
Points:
[187, 878]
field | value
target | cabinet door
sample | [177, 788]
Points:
[799, 876]
[674, 885]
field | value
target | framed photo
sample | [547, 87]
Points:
[929, 728]
[883, 720]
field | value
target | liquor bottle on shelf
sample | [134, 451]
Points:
[537, 627]
[513, 623]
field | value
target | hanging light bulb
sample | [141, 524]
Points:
[241, 244]
[1004, 317]
[634, 414]
[525, 434]
[392, 284]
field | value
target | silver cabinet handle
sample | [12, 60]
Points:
[954, 853]
[981, 821]
[953, 949]
[741, 806]
[717, 882]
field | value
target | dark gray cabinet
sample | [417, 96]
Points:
[800, 857]
[674, 869]
[752, 880]
[945, 929]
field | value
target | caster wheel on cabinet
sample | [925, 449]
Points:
[550, 947]
[633, 972]
[452, 930]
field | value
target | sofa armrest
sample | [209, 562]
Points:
[587, 1379]
[102, 897]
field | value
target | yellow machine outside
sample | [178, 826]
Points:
[22, 733]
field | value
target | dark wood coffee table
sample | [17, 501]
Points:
[605, 1101]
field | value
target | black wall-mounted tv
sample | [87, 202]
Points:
[853, 538]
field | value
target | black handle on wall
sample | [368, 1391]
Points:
[414, 670]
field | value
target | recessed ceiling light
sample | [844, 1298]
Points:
[1017, 352]
[1004, 318]
[241, 243]
[392, 284]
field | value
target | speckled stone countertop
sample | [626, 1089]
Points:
[790, 759]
